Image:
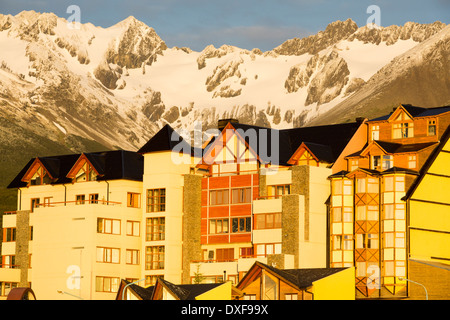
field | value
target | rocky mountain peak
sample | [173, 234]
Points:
[391, 34]
[333, 33]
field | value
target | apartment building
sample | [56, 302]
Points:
[318, 197]
[369, 219]
[170, 211]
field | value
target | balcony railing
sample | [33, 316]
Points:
[227, 260]
[232, 173]
[9, 266]
[78, 202]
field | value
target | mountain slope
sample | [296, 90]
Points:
[418, 77]
[74, 90]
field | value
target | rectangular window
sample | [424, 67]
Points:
[278, 190]
[107, 284]
[150, 280]
[267, 221]
[361, 213]
[133, 228]
[291, 296]
[218, 197]
[34, 203]
[412, 163]
[376, 162]
[156, 200]
[5, 287]
[218, 226]
[337, 187]
[93, 198]
[133, 200]
[132, 256]
[241, 225]
[241, 195]
[9, 234]
[225, 255]
[366, 241]
[388, 162]
[372, 213]
[8, 261]
[361, 185]
[246, 252]
[372, 185]
[80, 198]
[154, 258]
[155, 229]
[108, 226]
[403, 130]
[108, 255]
[337, 214]
[375, 132]
[268, 248]
[432, 127]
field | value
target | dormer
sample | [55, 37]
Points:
[38, 174]
[312, 154]
[402, 124]
[231, 152]
[83, 170]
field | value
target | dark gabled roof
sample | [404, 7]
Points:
[327, 141]
[194, 290]
[178, 291]
[417, 112]
[301, 278]
[186, 291]
[399, 170]
[335, 136]
[144, 293]
[322, 152]
[341, 173]
[111, 165]
[167, 139]
[391, 147]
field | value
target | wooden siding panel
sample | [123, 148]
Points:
[218, 238]
[218, 212]
[241, 181]
[219, 182]
[240, 210]
[240, 237]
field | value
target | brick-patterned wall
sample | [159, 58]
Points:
[435, 278]
[290, 226]
[300, 185]
[22, 240]
[191, 223]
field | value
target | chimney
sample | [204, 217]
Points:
[223, 122]
[359, 119]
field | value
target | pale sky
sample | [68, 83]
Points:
[247, 24]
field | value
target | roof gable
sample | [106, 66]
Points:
[297, 278]
[112, 165]
[231, 145]
[37, 167]
[166, 139]
[85, 169]
[320, 153]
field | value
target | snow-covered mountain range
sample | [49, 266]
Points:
[117, 86]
